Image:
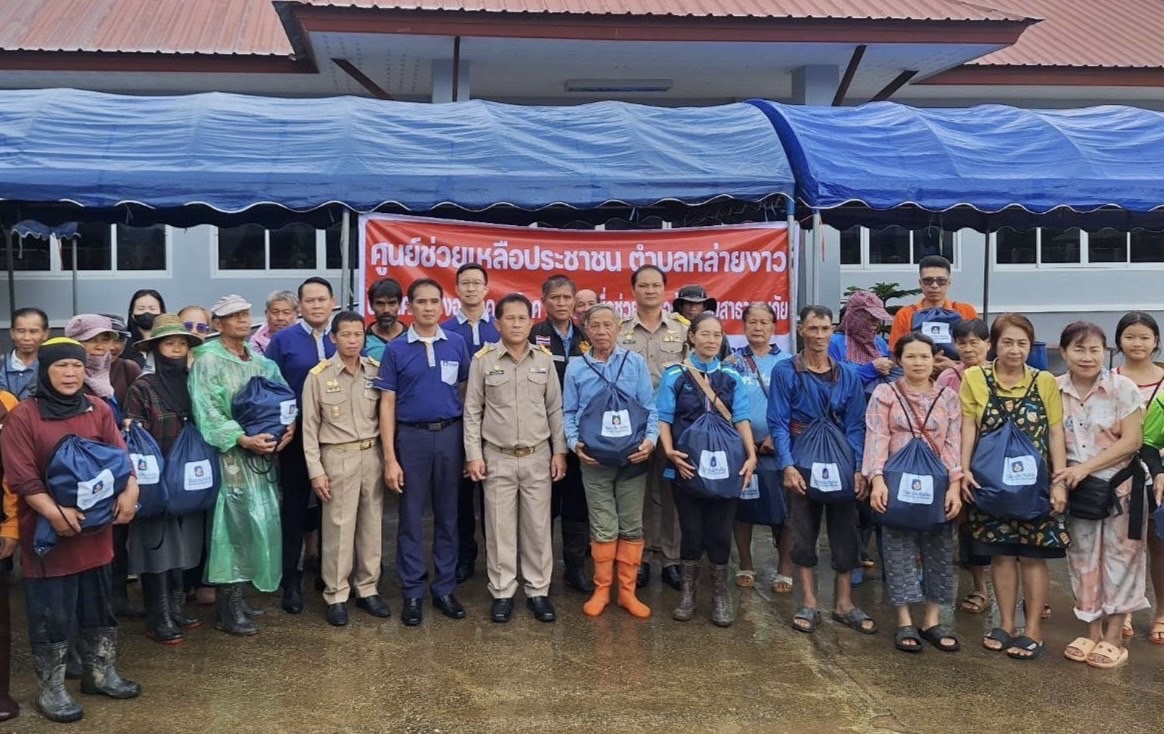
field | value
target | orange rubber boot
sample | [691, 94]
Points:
[630, 555]
[603, 556]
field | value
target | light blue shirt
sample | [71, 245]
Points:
[583, 383]
[665, 403]
[757, 381]
[18, 378]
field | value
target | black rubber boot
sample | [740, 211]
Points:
[177, 601]
[9, 708]
[99, 665]
[575, 543]
[722, 611]
[293, 593]
[52, 699]
[122, 606]
[231, 617]
[73, 661]
[687, 587]
[159, 626]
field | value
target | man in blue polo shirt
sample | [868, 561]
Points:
[296, 350]
[423, 376]
[474, 324]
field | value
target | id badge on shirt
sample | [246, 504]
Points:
[450, 369]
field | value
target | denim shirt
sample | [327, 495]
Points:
[583, 384]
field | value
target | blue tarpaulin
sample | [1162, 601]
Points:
[985, 166]
[231, 153]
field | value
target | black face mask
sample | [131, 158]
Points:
[144, 320]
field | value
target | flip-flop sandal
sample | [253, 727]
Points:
[903, 634]
[1033, 649]
[1113, 657]
[856, 619]
[745, 579]
[782, 584]
[936, 634]
[1128, 631]
[1079, 649]
[868, 563]
[999, 635]
[976, 602]
[806, 614]
[1156, 634]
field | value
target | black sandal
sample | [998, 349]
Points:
[935, 636]
[856, 619]
[999, 635]
[806, 614]
[908, 632]
[1033, 649]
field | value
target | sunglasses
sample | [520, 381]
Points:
[935, 281]
[200, 328]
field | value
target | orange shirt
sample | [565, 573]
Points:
[903, 319]
[8, 527]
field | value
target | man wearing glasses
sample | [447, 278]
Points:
[474, 324]
[934, 279]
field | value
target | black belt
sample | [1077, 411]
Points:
[433, 426]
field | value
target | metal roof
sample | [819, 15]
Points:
[232, 27]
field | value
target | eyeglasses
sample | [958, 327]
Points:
[935, 281]
[198, 327]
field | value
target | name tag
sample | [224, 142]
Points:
[938, 331]
[713, 465]
[616, 424]
[916, 489]
[826, 477]
[1020, 471]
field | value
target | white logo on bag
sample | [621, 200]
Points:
[616, 423]
[752, 491]
[96, 489]
[148, 471]
[288, 411]
[826, 477]
[1020, 471]
[916, 489]
[713, 465]
[938, 331]
[198, 476]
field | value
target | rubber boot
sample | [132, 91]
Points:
[177, 599]
[9, 709]
[293, 592]
[575, 536]
[687, 588]
[231, 617]
[99, 661]
[52, 699]
[722, 611]
[629, 555]
[159, 626]
[250, 610]
[119, 600]
[73, 661]
[603, 556]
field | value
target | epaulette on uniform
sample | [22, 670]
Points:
[483, 351]
[544, 349]
[681, 319]
[317, 369]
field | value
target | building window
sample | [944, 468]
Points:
[293, 247]
[30, 254]
[895, 246]
[115, 248]
[332, 243]
[1074, 247]
[851, 246]
[1146, 247]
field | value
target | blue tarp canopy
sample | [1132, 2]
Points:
[983, 167]
[165, 157]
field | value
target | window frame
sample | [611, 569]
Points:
[59, 269]
[865, 265]
[267, 271]
[1084, 256]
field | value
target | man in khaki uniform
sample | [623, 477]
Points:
[515, 444]
[660, 338]
[341, 442]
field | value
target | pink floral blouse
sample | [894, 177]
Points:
[888, 426]
[951, 379]
[1092, 421]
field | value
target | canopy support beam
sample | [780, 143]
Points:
[891, 88]
[362, 79]
[850, 72]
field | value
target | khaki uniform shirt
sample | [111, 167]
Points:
[338, 407]
[661, 348]
[513, 403]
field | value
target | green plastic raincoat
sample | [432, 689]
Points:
[245, 542]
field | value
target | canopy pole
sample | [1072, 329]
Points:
[76, 241]
[794, 258]
[11, 272]
[986, 266]
[818, 253]
[345, 260]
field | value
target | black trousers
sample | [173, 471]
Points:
[295, 517]
[705, 524]
[58, 606]
[470, 495]
[568, 497]
[844, 536]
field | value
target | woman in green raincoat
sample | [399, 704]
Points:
[245, 541]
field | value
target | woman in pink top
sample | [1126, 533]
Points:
[1103, 422]
[936, 414]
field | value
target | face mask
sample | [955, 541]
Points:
[145, 320]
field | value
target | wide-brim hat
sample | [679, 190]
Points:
[165, 326]
[693, 294]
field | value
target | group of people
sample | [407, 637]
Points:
[648, 437]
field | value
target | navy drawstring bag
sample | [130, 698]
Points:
[917, 480]
[767, 507]
[822, 455]
[85, 475]
[613, 424]
[714, 447]
[191, 474]
[1013, 474]
[937, 324]
[148, 462]
[264, 406]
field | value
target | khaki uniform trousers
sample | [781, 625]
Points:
[352, 523]
[660, 520]
[518, 522]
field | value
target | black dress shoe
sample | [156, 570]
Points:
[413, 612]
[337, 615]
[644, 576]
[465, 571]
[292, 597]
[672, 577]
[374, 605]
[501, 610]
[449, 606]
[541, 607]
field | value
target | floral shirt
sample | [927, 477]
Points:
[1092, 422]
[887, 426]
[951, 378]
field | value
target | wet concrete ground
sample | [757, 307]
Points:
[612, 673]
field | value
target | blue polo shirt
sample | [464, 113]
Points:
[425, 393]
[295, 351]
[485, 333]
[796, 394]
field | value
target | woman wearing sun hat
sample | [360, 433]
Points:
[161, 548]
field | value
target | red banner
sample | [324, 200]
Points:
[737, 264]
